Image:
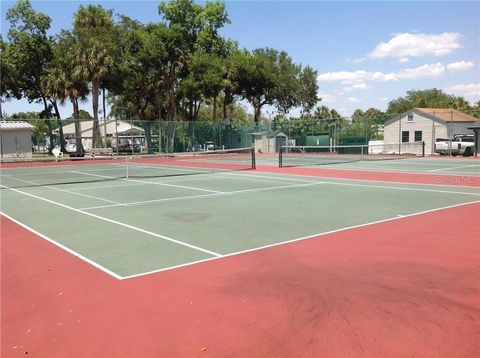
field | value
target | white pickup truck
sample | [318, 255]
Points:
[460, 145]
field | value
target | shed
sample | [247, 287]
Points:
[427, 125]
[476, 130]
[15, 139]
[269, 141]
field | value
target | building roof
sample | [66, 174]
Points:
[447, 114]
[15, 125]
[441, 115]
[122, 127]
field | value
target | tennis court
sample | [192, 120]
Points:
[148, 217]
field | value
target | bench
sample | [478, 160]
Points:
[101, 151]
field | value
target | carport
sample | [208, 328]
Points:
[476, 130]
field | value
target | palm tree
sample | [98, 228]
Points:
[322, 112]
[93, 27]
[61, 86]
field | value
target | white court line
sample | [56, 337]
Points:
[94, 175]
[403, 188]
[300, 239]
[356, 180]
[56, 172]
[157, 183]
[74, 253]
[176, 186]
[115, 222]
[271, 177]
[353, 166]
[307, 183]
[445, 175]
[458, 167]
[68, 191]
[413, 161]
[146, 202]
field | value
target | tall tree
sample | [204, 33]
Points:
[191, 27]
[257, 78]
[8, 84]
[30, 54]
[94, 28]
[62, 84]
[141, 73]
[286, 89]
[308, 89]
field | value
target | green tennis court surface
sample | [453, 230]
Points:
[433, 165]
[137, 226]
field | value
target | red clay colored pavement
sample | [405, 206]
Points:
[408, 287]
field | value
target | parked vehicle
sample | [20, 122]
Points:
[460, 145]
[125, 145]
[209, 146]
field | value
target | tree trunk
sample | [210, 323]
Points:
[257, 113]
[171, 122]
[104, 115]
[78, 139]
[191, 126]
[60, 126]
[159, 105]
[146, 125]
[170, 136]
[96, 136]
[49, 125]
[225, 99]
[171, 112]
[214, 114]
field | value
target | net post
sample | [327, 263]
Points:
[280, 157]
[254, 163]
[126, 167]
[423, 148]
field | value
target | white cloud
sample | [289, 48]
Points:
[470, 91]
[326, 98]
[383, 99]
[432, 70]
[356, 78]
[343, 76]
[460, 66]
[354, 100]
[407, 45]
[353, 88]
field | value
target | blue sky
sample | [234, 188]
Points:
[366, 52]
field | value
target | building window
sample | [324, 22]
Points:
[418, 136]
[405, 136]
[410, 118]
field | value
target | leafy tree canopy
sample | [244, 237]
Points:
[429, 98]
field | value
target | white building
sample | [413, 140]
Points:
[427, 125]
[113, 127]
[15, 139]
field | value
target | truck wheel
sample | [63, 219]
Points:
[467, 152]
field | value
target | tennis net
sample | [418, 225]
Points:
[66, 171]
[292, 156]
